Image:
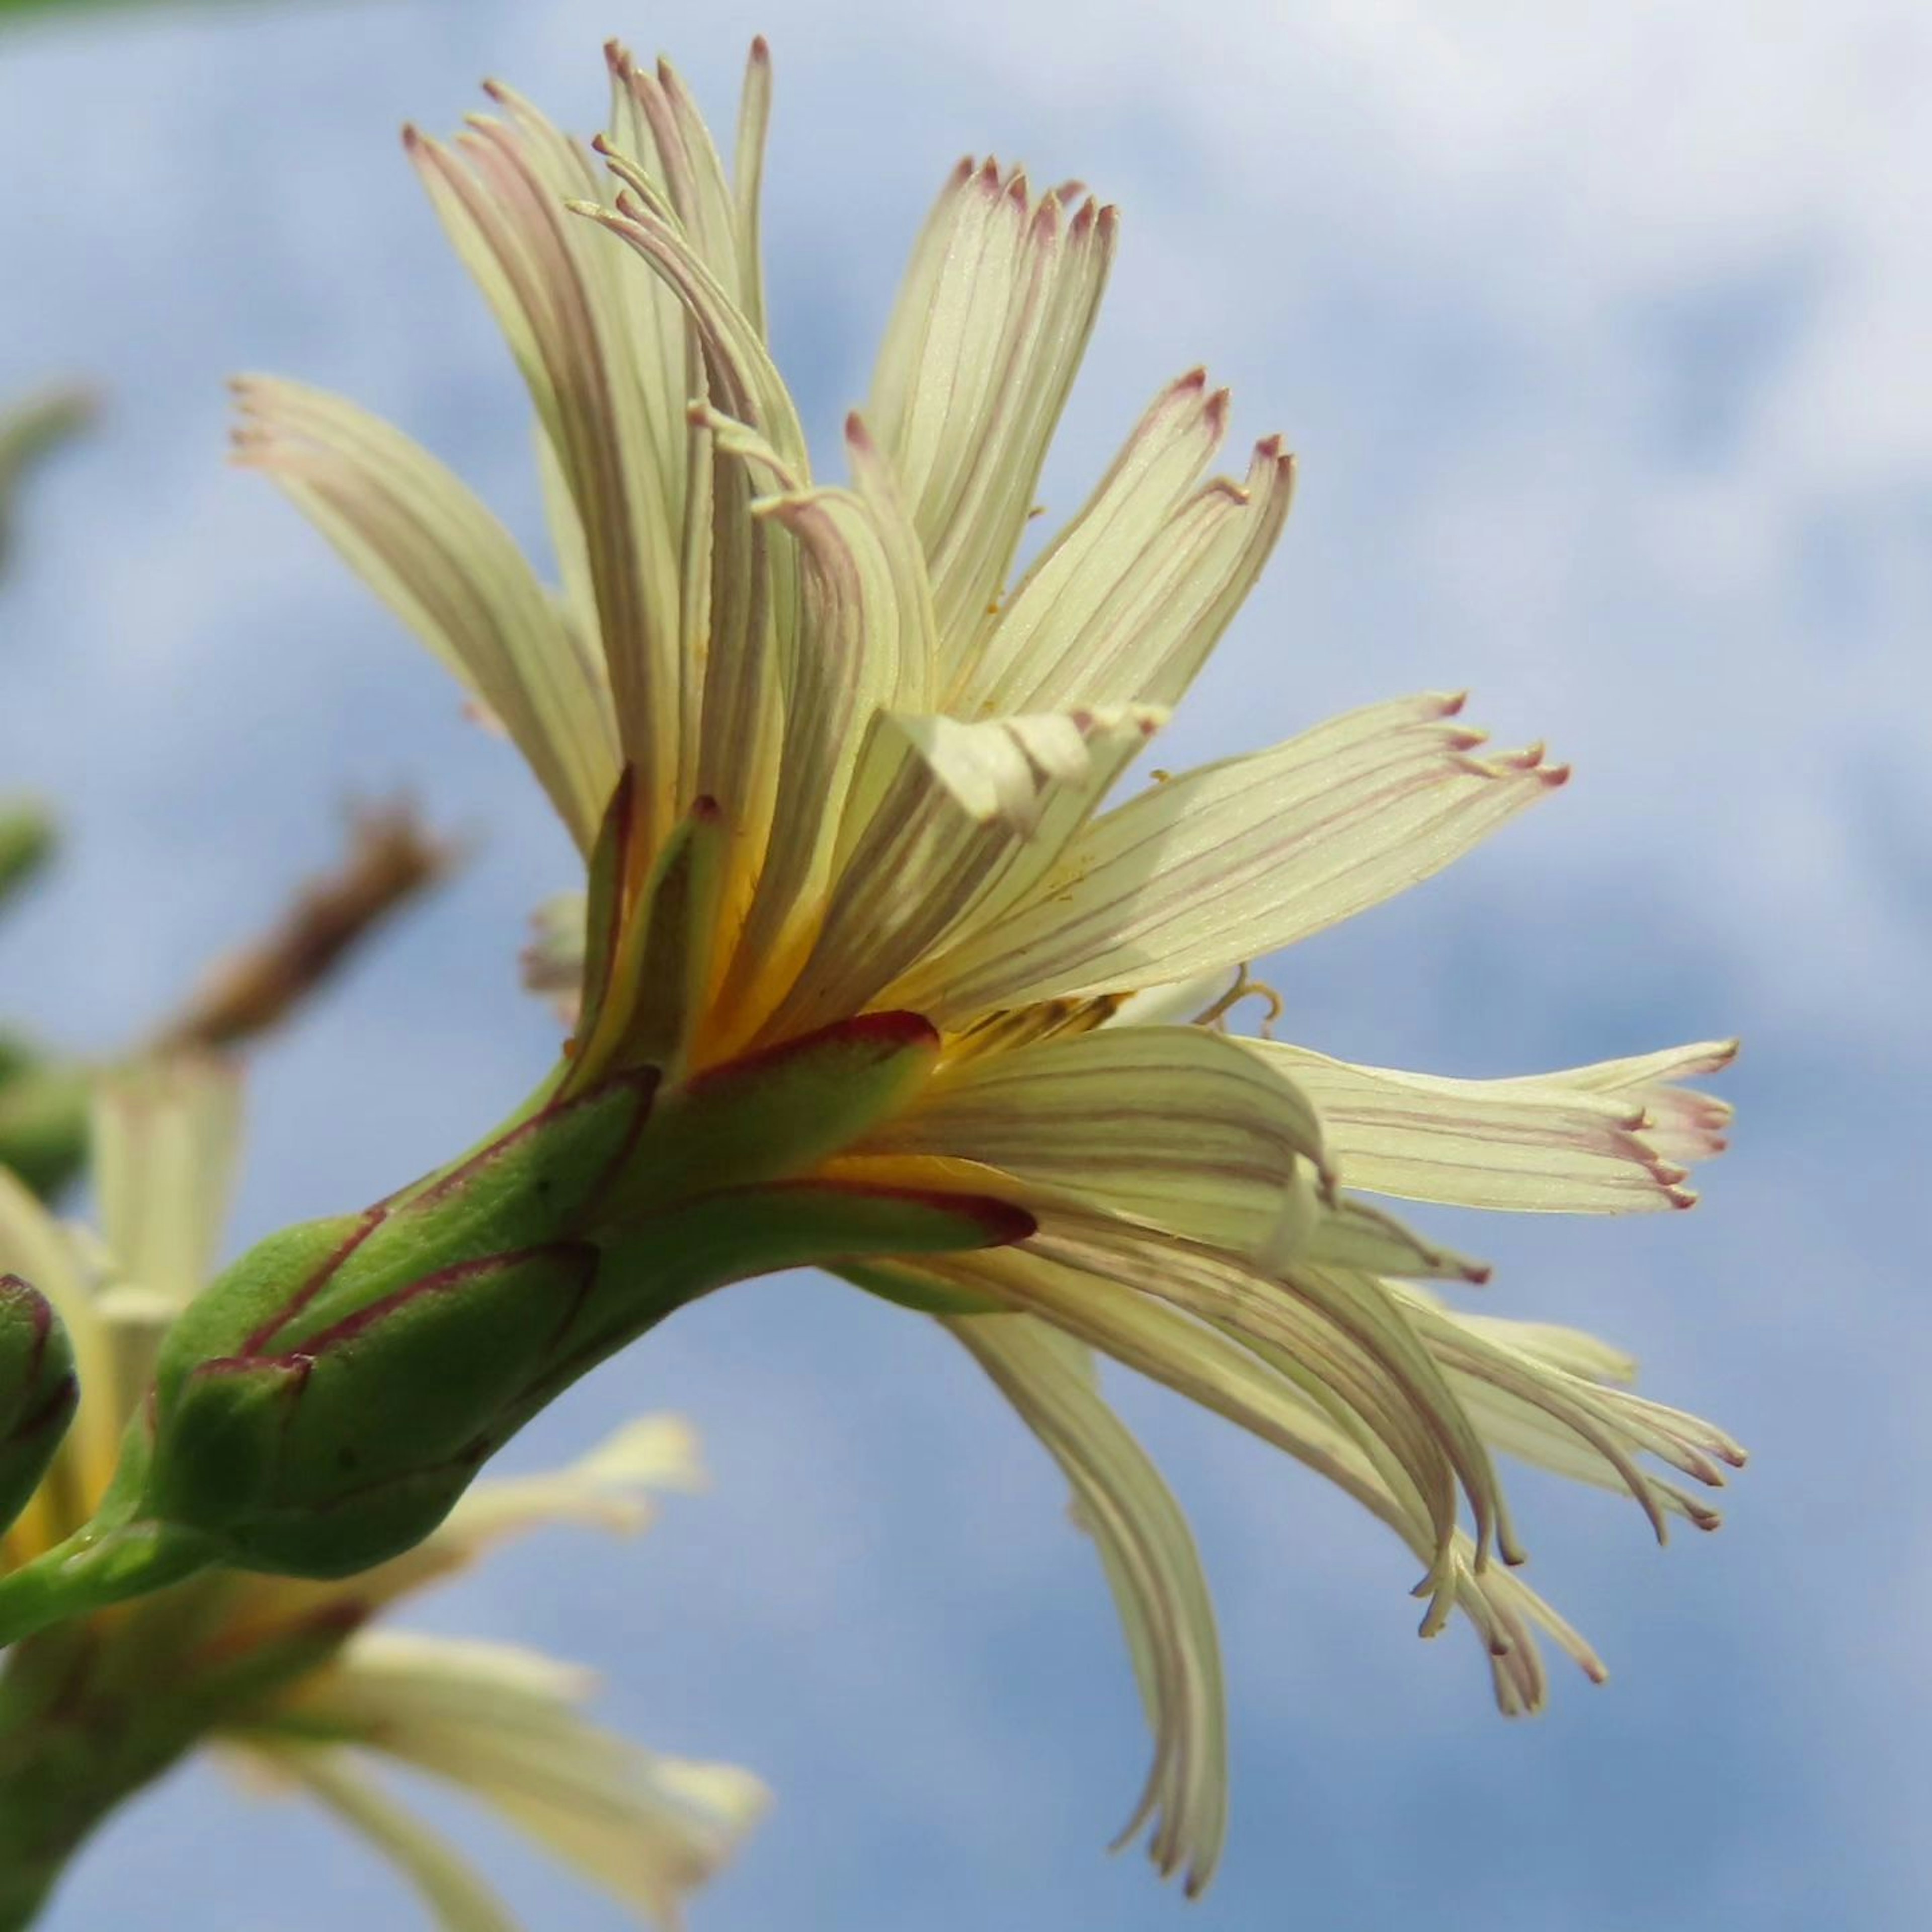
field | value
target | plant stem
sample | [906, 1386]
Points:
[93, 1711]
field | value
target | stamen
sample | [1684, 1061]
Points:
[1245, 986]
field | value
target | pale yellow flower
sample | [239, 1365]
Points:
[828, 755]
[504, 1725]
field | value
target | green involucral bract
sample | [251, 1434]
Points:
[322, 1405]
[37, 1391]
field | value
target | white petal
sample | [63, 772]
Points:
[1164, 1125]
[975, 368]
[1354, 1346]
[859, 623]
[597, 351]
[501, 1722]
[1574, 1142]
[1682, 1123]
[922, 863]
[1529, 1402]
[1263, 1390]
[1153, 1569]
[456, 1895]
[1345, 1233]
[1238, 859]
[752, 608]
[167, 1135]
[1127, 606]
[425, 545]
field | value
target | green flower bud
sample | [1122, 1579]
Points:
[38, 1392]
[323, 1404]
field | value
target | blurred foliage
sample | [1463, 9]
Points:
[32, 426]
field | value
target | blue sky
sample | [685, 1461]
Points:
[1600, 332]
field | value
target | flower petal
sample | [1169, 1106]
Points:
[752, 608]
[431, 551]
[598, 351]
[1267, 1391]
[502, 1722]
[1154, 1572]
[1682, 1123]
[921, 861]
[1125, 606]
[1354, 1347]
[1164, 1125]
[1342, 1232]
[1589, 1140]
[1527, 1400]
[1236, 859]
[861, 621]
[974, 370]
[166, 1135]
[457, 1896]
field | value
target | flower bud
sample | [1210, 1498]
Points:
[38, 1392]
[323, 1404]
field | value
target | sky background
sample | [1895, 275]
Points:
[1601, 331]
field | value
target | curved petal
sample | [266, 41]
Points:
[422, 541]
[458, 1897]
[1591, 1140]
[922, 860]
[991, 323]
[1353, 1347]
[1524, 1387]
[1168, 1126]
[1265, 1389]
[501, 1723]
[598, 351]
[1238, 859]
[1153, 1570]
[1127, 606]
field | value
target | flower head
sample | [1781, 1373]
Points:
[842, 772]
[295, 1682]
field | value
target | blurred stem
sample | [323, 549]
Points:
[29, 430]
[392, 858]
[26, 844]
[94, 1710]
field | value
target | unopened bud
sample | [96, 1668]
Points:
[37, 1391]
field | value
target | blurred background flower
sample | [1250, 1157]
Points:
[1598, 335]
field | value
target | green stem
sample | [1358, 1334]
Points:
[91, 1712]
[94, 1568]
